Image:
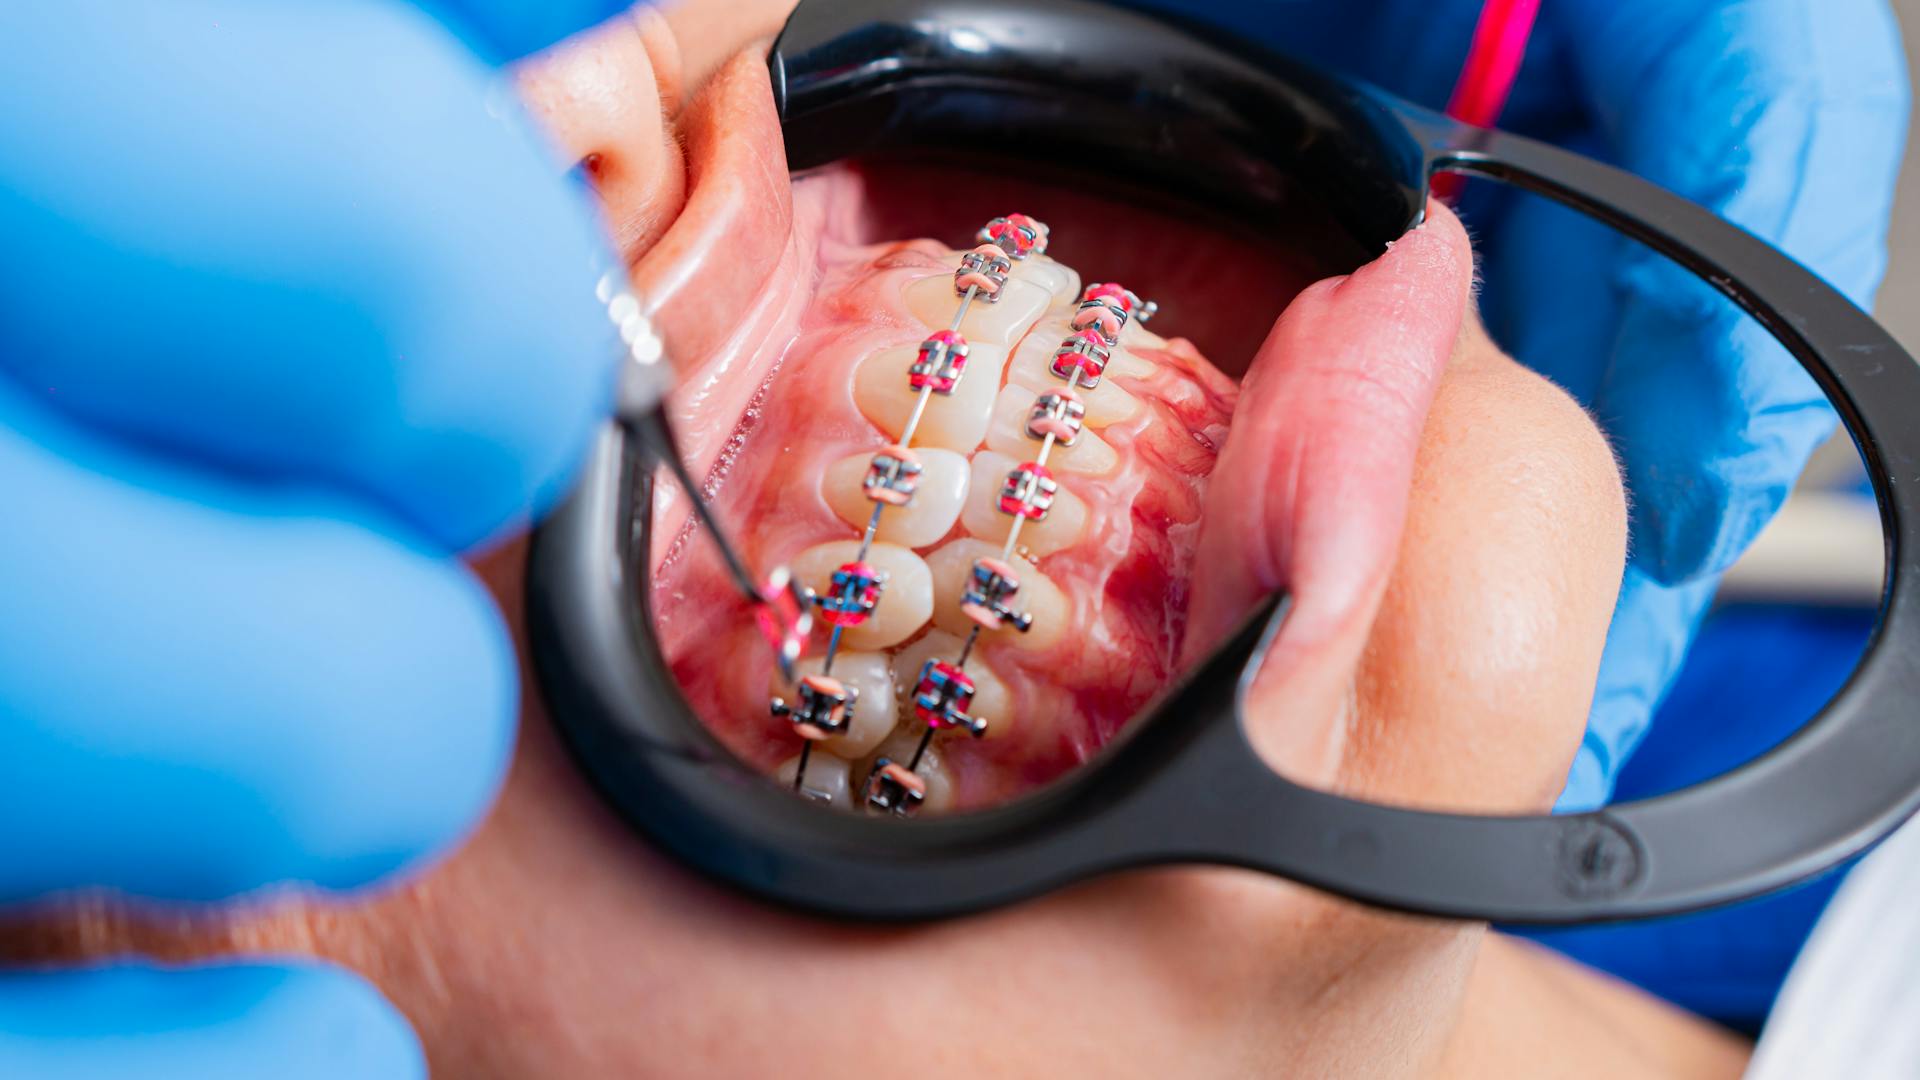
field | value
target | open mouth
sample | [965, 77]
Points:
[816, 296]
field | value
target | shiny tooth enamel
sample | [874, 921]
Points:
[991, 699]
[905, 601]
[874, 712]
[932, 301]
[1090, 455]
[1059, 279]
[950, 566]
[1107, 403]
[935, 506]
[1063, 526]
[956, 421]
[827, 775]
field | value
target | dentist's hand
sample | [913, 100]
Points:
[1786, 116]
[294, 309]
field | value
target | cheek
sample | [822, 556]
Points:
[599, 98]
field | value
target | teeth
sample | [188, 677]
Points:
[906, 600]
[927, 517]
[933, 302]
[956, 421]
[1090, 455]
[991, 698]
[874, 711]
[1063, 526]
[1106, 403]
[932, 769]
[1057, 278]
[826, 775]
[1039, 597]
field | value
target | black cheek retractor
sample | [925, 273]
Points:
[1219, 122]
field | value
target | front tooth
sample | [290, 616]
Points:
[927, 517]
[932, 769]
[905, 601]
[1063, 526]
[956, 421]
[829, 779]
[933, 301]
[991, 699]
[1107, 403]
[1090, 455]
[1039, 597]
[874, 711]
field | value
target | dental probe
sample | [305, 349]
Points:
[825, 705]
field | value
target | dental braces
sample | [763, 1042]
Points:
[943, 692]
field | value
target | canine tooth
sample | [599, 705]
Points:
[956, 421]
[935, 506]
[1063, 526]
[906, 600]
[991, 699]
[1059, 279]
[1107, 403]
[874, 711]
[933, 302]
[1090, 455]
[1039, 597]
[829, 778]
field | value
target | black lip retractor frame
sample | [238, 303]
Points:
[1232, 126]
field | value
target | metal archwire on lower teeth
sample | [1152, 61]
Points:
[822, 706]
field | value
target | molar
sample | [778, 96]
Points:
[1063, 526]
[906, 600]
[952, 565]
[874, 711]
[1090, 455]
[829, 778]
[933, 302]
[956, 421]
[991, 699]
[928, 516]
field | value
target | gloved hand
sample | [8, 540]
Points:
[293, 309]
[1787, 117]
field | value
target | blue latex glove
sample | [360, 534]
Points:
[293, 309]
[1787, 117]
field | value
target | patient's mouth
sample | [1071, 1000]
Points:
[798, 360]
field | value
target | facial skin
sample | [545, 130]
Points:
[557, 944]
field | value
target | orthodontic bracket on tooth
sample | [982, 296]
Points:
[894, 788]
[1056, 413]
[942, 697]
[1108, 306]
[1028, 491]
[854, 595]
[892, 476]
[991, 584]
[1082, 358]
[824, 707]
[940, 363]
[985, 268]
[1016, 234]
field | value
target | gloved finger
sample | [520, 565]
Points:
[206, 687]
[1787, 118]
[298, 241]
[1310, 491]
[212, 1023]
[503, 30]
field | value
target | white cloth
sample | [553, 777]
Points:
[1851, 1005]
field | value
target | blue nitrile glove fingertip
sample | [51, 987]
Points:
[299, 1021]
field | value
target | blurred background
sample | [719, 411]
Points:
[1791, 620]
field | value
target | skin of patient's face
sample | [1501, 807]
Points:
[557, 944]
